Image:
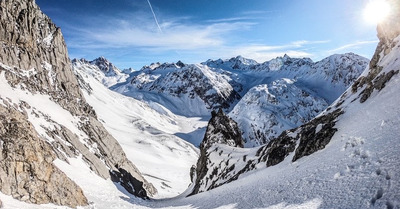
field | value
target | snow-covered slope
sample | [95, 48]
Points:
[103, 70]
[268, 109]
[148, 133]
[347, 157]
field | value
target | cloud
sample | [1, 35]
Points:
[355, 45]
[262, 53]
[232, 19]
[140, 32]
[265, 53]
[131, 35]
[305, 42]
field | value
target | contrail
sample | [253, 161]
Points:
[154, 15]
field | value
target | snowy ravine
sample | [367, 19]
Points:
[149, 134]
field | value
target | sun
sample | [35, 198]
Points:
[376, 11]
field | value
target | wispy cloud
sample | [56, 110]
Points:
[181, 37]
[352, 46]
[262, 53]
[232, 19]
[139, 33]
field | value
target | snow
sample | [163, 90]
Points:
[48, 39]
[267, 110]
[150, 135]
[40, 105]
[50, 73]
[107, 76]
[318, 128]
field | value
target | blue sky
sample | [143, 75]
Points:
[125, 32]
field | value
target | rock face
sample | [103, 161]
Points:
[34, 65]
[228, 163]
[220, 130]
[26, 165]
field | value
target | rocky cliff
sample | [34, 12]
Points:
[44, 115]
[221, 130]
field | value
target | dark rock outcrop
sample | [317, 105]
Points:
[312, 136]
[220, 130]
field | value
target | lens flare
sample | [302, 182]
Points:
[376, 11]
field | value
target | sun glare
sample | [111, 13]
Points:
[376, 11]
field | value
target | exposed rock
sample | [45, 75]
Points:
[34, 58]
[220, 130]
[27, 171]
[388, 30]
[313, 136]
[30, 40]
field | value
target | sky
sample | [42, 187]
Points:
[130, 33]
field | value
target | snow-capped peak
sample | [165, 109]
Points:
[163, 66]
[103, 70]
[235, 63]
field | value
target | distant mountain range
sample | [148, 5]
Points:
[264, 98]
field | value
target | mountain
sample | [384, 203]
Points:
[236, 63]
[329, 77]
[196, 87]
[346, 157]
[45, 119]
[238, 85]
[103, 70]
[268, 109]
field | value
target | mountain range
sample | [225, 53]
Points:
[265, 99]
[286, 133]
